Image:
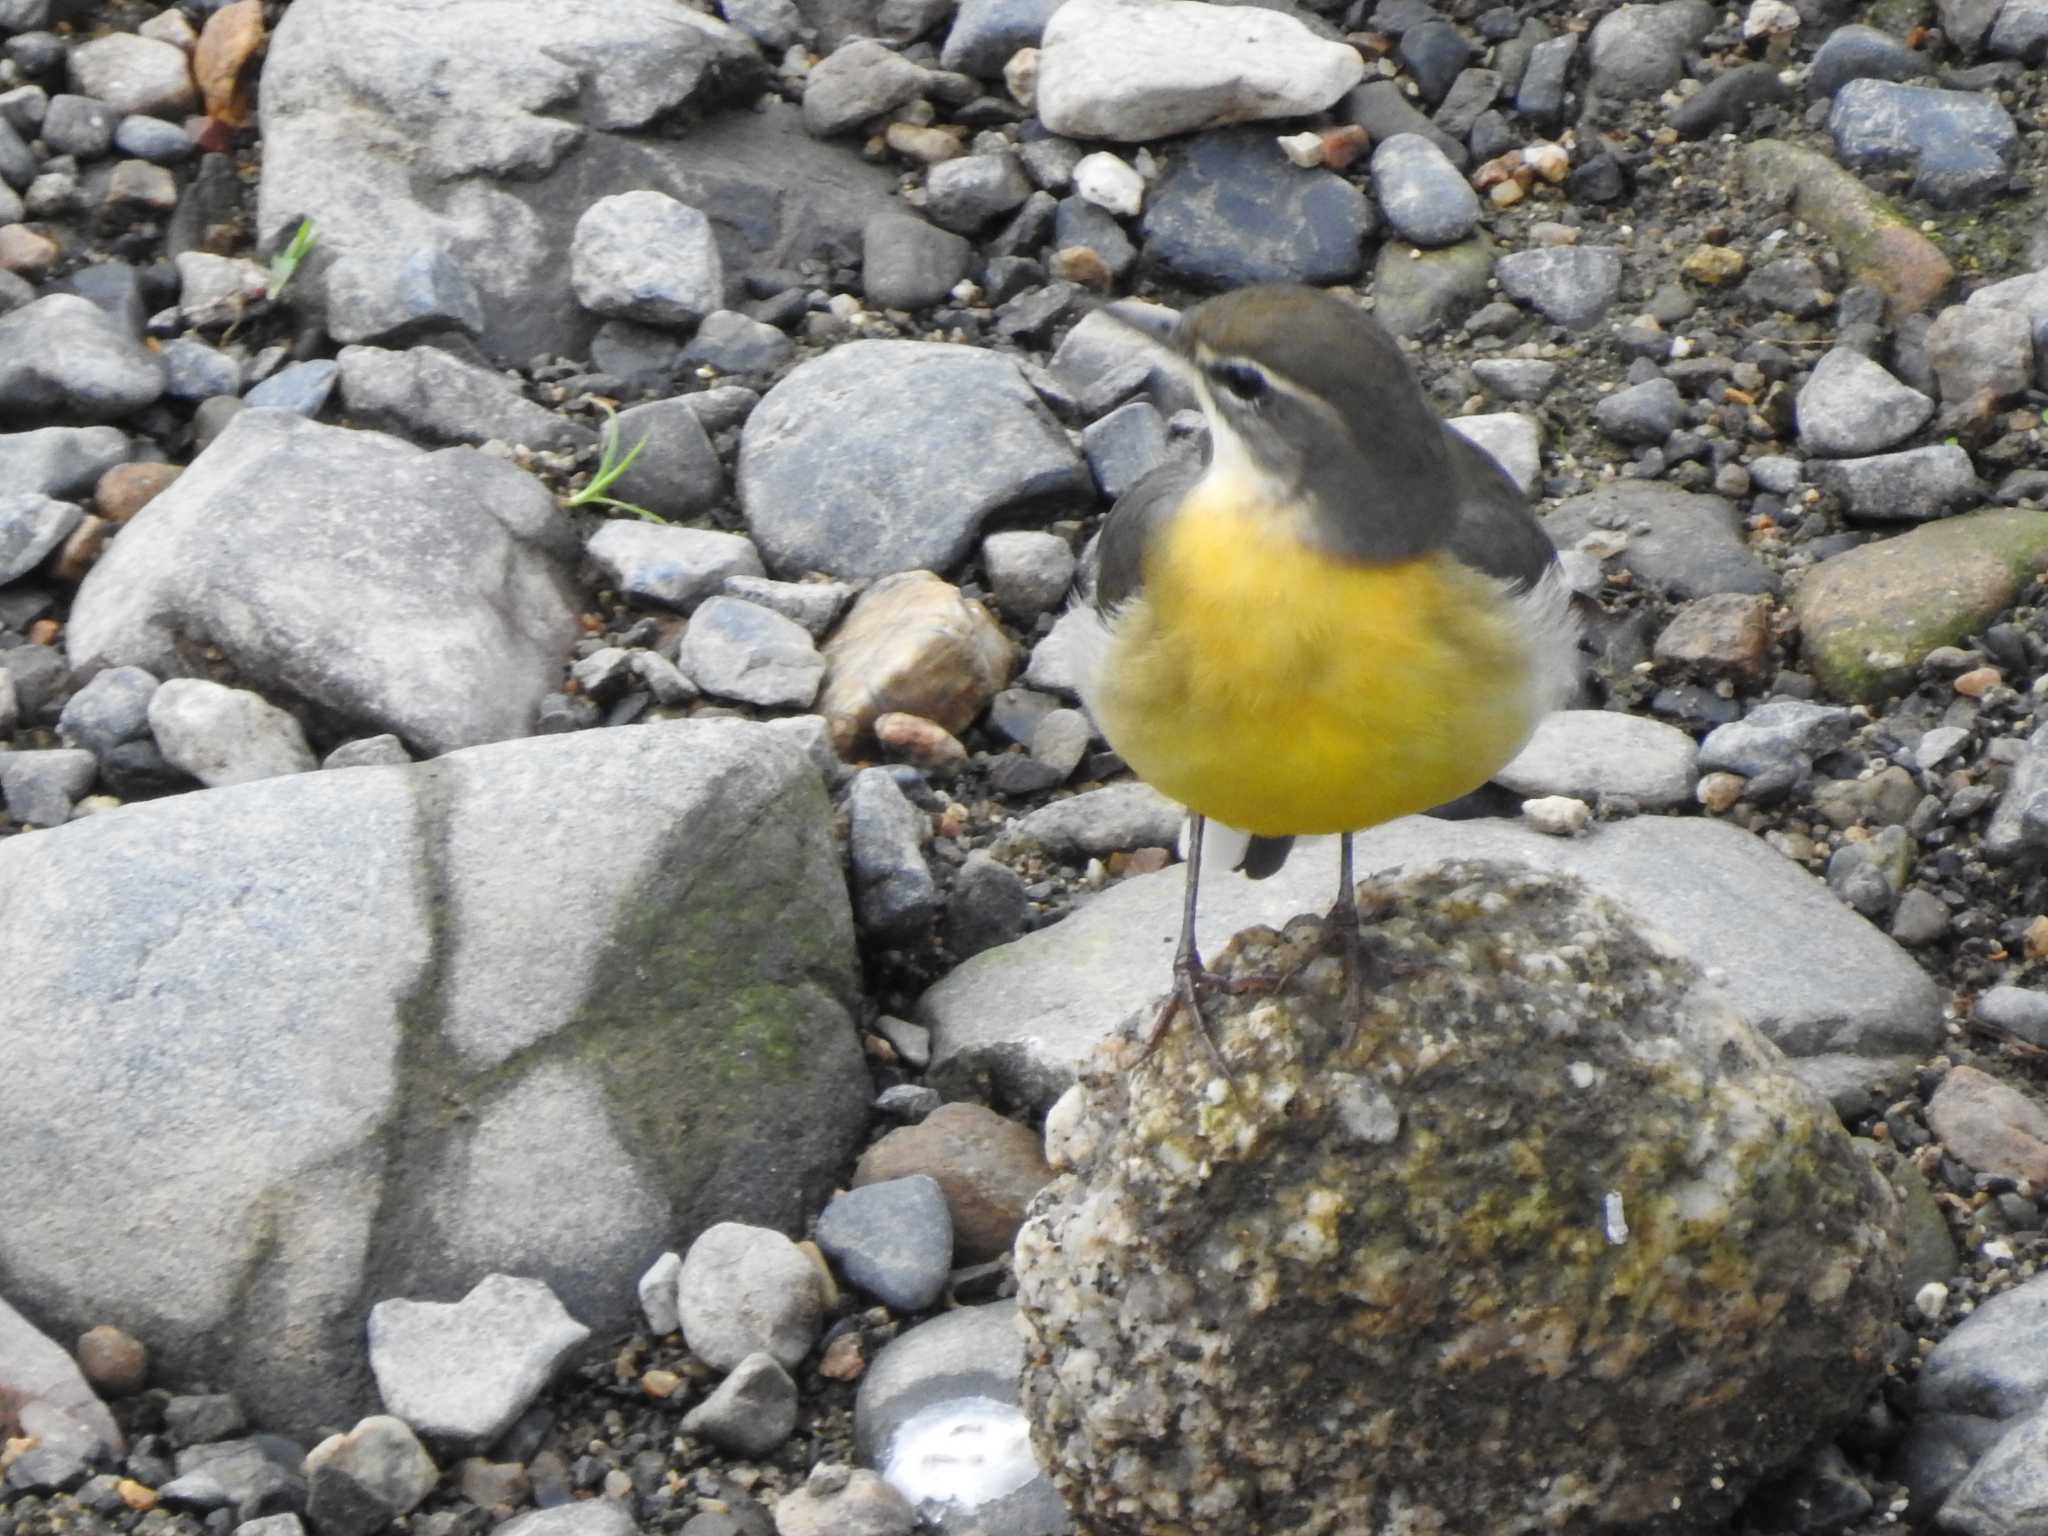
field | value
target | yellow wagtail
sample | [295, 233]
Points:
[1347, 614]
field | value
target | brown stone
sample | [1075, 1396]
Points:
[987, 1167]
[1877, 243]
[26, 252]
[1991, 1127]
[78, 552]
[912, 645]
[1713, 266]
[116, 1363]
[224, 62]
[1718, 792]
[922, 743]
[1978, 681]
[1344, 144]
[844, 1359]
[126, 489]
[1726, 634]
[1082, 264]
[44, 632]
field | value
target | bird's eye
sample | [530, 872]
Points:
[1244, 380]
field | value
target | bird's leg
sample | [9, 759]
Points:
[1345, 915]
[1188, 972]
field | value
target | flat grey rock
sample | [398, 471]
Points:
[749, 1413]
[1098, 822]
[456, 208]
[425, 392]
[895, 897]
[1594, 753]
[63, 359]
[1850, 406]
[1231, 209]
[1134, 70]
[1959, 144]
[460, 1372]
[1911, 486]
[585, 1517]
[1994, 1364]
[1858, 52]
[63, 462]
[1830, 990]
[1569, 285]
[133, 74]
[1680, 543]
[1511, 439]
[296, 1136]
[1776, 734]
[1642, 413]
[316, 560]
[925, 442]
[673, 568]
[739, 650]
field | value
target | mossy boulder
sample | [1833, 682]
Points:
[1877, 243]
[1868, 616]
[1546, 1239]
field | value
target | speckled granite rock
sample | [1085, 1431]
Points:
[1648, 1264]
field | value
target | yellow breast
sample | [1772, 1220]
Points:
[1281, 689]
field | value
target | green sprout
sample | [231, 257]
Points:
[286, 261]
[610, 465]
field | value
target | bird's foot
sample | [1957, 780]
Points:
[1189, 982]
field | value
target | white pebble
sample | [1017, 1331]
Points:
[1304, 149]
[1930, 1299]
[1109, 181]
[1557, 815]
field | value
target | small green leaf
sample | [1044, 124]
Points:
[286, 261]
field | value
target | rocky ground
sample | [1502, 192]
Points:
[1755, 303]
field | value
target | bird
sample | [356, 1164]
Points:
[1345, 613]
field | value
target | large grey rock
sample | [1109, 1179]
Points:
[1134, 70]
[1830, 990]
[425, 392]
[1911, 486]
[925, 443]
[60, 461]
[454, 205]
[1959, 144]
[63, 358]
[378, 1046]
[1232, 210]
[379, 584]
[460, 1372]
[1638, 50]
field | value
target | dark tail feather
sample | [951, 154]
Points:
[1263, 856]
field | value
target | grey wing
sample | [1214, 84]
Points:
[1128, 530]
[1496, 532]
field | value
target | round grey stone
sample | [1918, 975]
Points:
[1424, 197]
[893, 1240]
[111, 708]
[744, 1290]
[1850, 406]
[644, 256]
[741, 651]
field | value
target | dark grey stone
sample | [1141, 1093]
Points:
[1857, 52]
[909, 264]
[1434, 52]
[1643, 413]
[1541, 95]
[39, 675]
[1959, 145]
[80, 126]
[1230, 209]
[195, 371]
[749, 1413]
[1794, 284]
[1382, 111]
[986, 33]
[893, 1240]
[111, 708]
[987, 906]
[17, 160]
[1080, 222]
[40, 788]
[894, 896]
[968, 194]
[1729, 100]
[301, 388]
[1473, 92]
[731, 343]
[1124, 446]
